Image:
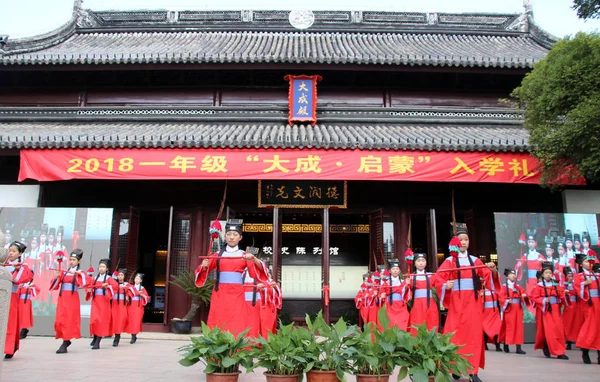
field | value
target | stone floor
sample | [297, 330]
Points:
[154, 358]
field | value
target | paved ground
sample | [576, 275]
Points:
[154, 358]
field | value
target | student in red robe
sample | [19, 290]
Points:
[492, 322]
[548, 299]
[532, 260]
[120, 302]
[587, 286]
[68, 315]
[512, 298]
[135, 311]
[424, 308]
[27, 291]
[572, 313]
[20, 274]
[586, 242]
[459, 292]
[227, 304]
[360, 300]
[395, 295]
[101, 292]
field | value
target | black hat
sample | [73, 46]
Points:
[585, 237]
[560, 239]
[538, 274]
[394, 263]
[547, 265]
[20, 246]
[25, 234]
[419, 256]
[461, 228]
[77, 253]
[576, 237]
[52, 231]
[140, 275]
[123, 270]
[508, 271]
[531, 234]
[105, 262]
[44, 230]
[234, 225]
[60, 230]
[596, 268]
[549, 240]
[567, 271]
[568, 235]
[580, 257]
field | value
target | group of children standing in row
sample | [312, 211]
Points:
[116, 306]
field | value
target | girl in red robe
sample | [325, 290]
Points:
[360, 302]
[587, 286]
[572, 313]
[101, 292]
[27, 292]
[548, 299]
[119, 307]
[20, 274]
[424, 309]
[512, 298]
[532, 260]
[135, 311]
[227, 304]
[459, 291]
[68, 315]
[394, 295]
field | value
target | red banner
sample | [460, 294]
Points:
[49, 165]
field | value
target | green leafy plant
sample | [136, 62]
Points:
[429, 354]
[200, 295]
[376, 352]
[283, 353]
[220, 351]
[329, 346]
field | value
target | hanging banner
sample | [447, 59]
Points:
[302, 98]
[49, 165]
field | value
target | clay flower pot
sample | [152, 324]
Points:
[283, 378]
[223, 377]
[321, 376]
[372, 378]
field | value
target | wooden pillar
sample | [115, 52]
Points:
[325, 262]
[400, 242]
[276, 244]
[432, 260]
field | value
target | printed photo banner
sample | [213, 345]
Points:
[144, 164]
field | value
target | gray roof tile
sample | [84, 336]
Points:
[325, 136]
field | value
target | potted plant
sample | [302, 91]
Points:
[430, 356]
[374, 353]
[283, 353]
[221, 352]
[329, 350]
[200, 295]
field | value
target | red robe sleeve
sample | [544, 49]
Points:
[257, 272]
[202, 273]
[442, 279]
[519, 267]
[144, 296]
[22, 275]
[580, 288]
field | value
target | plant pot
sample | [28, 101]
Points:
[321, 376]
[372, 377]
[430, 378]
[283, 378]
[181, 327]
[223, 377]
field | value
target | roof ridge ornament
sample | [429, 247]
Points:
[301, 18]
[82, 16]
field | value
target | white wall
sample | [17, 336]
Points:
[581, 201]
[19, 195]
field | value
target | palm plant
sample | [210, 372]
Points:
[200, 295]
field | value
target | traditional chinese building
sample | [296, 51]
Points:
[152, 113]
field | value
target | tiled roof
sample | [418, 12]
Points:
[438, 137]
[375, 38]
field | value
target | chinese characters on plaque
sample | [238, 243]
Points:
[302, 98]
[333, 251]
[302, 193]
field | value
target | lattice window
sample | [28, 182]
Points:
[180, 247]
[122, 243]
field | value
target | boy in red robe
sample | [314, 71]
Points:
[68, 315]
[20, 274]
[227, 304]
[587, 286]
[394, 293]
[459, 291]
[135, 311]
[512, 298]
[424, 309]
[102, 291]
[548, 299]
[27, 291]
[119, 307]
[572, 313]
